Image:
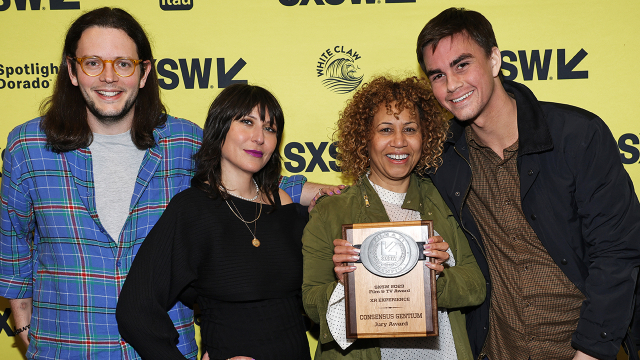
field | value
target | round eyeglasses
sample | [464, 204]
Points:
[94, 66]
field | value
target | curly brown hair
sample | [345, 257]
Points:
[353, 130]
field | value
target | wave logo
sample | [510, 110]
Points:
[338, 69]
[168, 5]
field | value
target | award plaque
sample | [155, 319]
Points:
[391, 293]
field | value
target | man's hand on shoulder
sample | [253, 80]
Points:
[327, 190]
[312, 191]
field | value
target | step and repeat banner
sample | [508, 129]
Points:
[313, 54]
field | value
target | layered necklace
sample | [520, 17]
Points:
[244, 198]
[255, 242]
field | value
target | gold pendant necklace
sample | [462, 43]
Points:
[255, 242]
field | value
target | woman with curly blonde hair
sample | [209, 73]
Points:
[389, 134]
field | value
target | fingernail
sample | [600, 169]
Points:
[427, 246]
[355, 258]
[427, 253]
[338, 192]
[330, 192]
[356, 250]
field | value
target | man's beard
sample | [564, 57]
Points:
[108, 119]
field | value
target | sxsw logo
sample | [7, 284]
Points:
[35, 5]
[197, 72]
[4, 322]
[339, 2]
[629, 149]
[530, 62]
[298, 163]
[176, 5]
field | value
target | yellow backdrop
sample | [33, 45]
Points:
[313, 53]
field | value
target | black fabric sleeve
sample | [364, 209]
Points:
[610, 216]
[164, 266]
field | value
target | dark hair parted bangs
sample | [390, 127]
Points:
[354, 128]
[456, 21]
[233, 103]
[65, 113]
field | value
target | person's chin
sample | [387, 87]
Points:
[254, 167]
[464, 115]
[109, 118]
[466, 112]
[399, 174]
[112, 116]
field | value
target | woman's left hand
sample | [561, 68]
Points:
[436, 248]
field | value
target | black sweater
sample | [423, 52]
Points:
[200, 250]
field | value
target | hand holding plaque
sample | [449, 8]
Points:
[389, 295]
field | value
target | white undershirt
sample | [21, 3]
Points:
[116, 163]
[441, 347]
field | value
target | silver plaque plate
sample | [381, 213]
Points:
[389, 253]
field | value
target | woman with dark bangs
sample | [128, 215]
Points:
[388, 135]
[231, 243]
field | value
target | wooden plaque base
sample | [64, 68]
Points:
[387, 307]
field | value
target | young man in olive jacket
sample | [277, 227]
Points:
[540, 191]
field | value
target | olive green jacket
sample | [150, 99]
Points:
[457, 287]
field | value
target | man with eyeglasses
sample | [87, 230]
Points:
[84, 184]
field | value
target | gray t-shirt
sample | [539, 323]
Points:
[116, 163]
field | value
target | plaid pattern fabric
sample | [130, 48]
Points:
[293, 186]
[534, 307]
[54, 249]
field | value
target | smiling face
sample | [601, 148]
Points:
[394, 149]
[248, 146]
[109, 97]
[463, 77]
